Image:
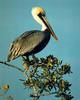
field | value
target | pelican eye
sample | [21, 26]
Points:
[41, 14]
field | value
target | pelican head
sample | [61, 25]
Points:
[40, 16]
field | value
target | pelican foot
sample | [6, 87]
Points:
[34, 58]
[24, 58]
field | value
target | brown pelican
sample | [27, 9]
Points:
[32, 42]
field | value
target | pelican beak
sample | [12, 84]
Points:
[49, 28]
[44, 19]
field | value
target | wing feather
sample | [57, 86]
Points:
[25, 43]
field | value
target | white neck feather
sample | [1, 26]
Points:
[43, 27]
[39, 21]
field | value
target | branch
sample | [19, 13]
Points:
[45, 74]
[38, 95]
[12, 66]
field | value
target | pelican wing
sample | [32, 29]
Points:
[24, 44]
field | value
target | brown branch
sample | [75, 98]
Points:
[38, 64]
[38, 95]
[12, 66]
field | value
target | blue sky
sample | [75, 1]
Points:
[64, 17]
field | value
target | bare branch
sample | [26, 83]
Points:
[10, 65]
[38, 95]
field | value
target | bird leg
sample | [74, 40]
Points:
[34, 58]
[25, 58]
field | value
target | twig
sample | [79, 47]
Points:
[12, 66]
[39, 64]
[38, 95]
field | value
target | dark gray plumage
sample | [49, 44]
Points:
[28, 43]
